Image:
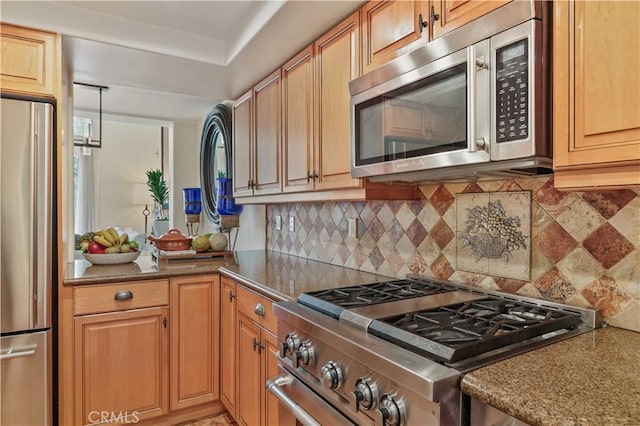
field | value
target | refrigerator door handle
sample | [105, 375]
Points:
[11, 355]
[35, 278]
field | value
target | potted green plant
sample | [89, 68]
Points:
[160, 194]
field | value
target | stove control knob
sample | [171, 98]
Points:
[331, 377]
[364, 396]
[390, 413]
[290, 345]
[303, 356]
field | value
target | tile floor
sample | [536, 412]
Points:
[220, 419]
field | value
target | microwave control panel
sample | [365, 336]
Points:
[512, 92]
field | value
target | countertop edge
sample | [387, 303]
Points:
[254, 285]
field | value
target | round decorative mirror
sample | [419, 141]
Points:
[215, 157]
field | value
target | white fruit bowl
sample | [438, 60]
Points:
[111, 259]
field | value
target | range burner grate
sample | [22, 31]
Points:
[460, 331]
[334, 301]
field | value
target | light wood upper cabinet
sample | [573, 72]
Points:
[447, 15]
[267, 136]
[195, 307]
[596, 83]
[391, 29]
[121, 364]
[337, 63]
[297, 122]
[257, 140]
[243, 151]
[28, 61]
[228, 361]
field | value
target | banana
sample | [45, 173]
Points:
[102, 241]
[107, 236]
[124, 238]
[114, 234]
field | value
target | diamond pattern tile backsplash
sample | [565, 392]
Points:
[583, 247]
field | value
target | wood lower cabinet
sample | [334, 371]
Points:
[596, 99]
[195, 304]
[253, 359]
[28, 64]
[228, 361]
[140, 351]
[121, 365]
[257, 349]
[391, 29]
[447, 15]
[250, 374]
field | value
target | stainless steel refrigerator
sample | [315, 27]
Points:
[27, 261]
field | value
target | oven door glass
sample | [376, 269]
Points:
[425, 118]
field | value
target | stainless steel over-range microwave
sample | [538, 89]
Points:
[471, 103]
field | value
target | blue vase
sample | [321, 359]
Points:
[192, 200]
[226, 204]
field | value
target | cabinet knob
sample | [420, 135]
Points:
[231, 296]
[123, 295]
[259, 310]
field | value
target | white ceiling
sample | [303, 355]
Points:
[174, 60]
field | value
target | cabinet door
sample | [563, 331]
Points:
[596, 93]
[267, 137]
[452, 14]
[243, 145]
[194, 341]
[228, 361]
[122, 364]
[337, 63]
[28, 61]
[391, 29]
[269, 371]
[297, 122]
[249, 373]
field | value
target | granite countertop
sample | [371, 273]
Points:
[276, 275]
[590, 379]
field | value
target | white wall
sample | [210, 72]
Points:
[128, 150]
[186, 174]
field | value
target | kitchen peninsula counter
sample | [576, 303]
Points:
[276, 275]
[590, 379]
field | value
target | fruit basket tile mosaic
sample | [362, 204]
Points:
[493, 233]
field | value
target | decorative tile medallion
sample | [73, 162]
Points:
[494, 233]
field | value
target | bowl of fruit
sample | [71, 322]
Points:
[110, 248]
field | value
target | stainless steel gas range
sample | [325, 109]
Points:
[393, 353]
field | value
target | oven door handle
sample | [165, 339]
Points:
[275, 387]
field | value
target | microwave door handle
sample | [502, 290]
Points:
[473, 63]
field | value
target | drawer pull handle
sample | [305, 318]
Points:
[123, 295]
[259, 310]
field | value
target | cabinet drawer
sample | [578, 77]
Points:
[120, 297]
[250, 303]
